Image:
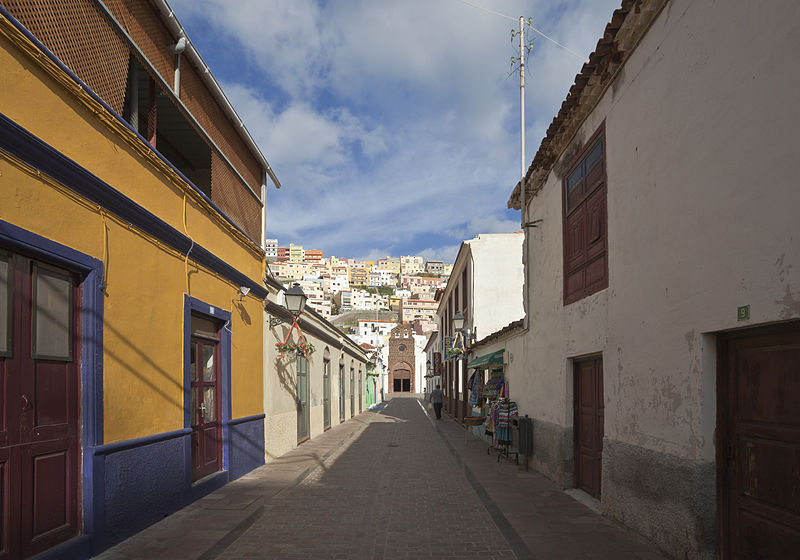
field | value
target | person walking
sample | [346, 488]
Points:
[437, 397]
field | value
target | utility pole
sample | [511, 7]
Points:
[522, 120]
[525, 264]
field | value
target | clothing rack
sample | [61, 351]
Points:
[498, 422]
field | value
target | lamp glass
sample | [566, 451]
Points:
[295, 300]
[458, 321]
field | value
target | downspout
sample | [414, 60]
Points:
[264, 213]
[177, 49]
[157, 76]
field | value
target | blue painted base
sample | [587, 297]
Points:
[145, 480]
[247, 445]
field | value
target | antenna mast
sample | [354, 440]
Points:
[522, 120]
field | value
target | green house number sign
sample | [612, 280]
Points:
[743, 313]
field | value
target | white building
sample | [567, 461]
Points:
[487, 303]
[434, 267]
[380, 277]
[304, 396]
[660, 358]
[321, 306]
[364, 300]
[374, 333]
[271, 249]
[412, 265]
[343, 300]
[335, 283]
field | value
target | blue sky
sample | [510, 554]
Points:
[393, 125]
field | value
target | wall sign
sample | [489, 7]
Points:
[743, 313]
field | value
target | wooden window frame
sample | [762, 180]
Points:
[8, 352]
[599, 186]
[37, 266]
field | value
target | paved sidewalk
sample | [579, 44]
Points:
[388, 484]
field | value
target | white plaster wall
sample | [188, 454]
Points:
[702, 217]
[280, 378]
[497, 281]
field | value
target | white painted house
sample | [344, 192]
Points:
[486, 288]
[660, 355]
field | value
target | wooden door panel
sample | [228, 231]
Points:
[52, 394]
[205, 407]
[769, 473]
[760, 537]
[769, 384]
[760, 422]
[588, 425]
[5, 409]
[209, 436]
[8, 503]
[39, 417]
[48, 495]
[55, 401]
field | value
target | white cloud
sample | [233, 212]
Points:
[390, 122]
[446, 253]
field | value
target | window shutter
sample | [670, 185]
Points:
[585, 231]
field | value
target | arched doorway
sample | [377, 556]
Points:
[401, 378]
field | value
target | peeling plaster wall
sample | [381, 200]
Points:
[702, 218]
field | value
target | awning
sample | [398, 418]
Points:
[487, 360]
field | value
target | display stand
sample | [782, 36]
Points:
[499, 411]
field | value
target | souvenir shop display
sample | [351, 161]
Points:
[499, 413]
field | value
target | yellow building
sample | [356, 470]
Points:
[296, 253]
[130, 248]
[391, 264]
[395, 303]
[359, 277]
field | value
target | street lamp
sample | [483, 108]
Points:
[295, 303]
[458, 321]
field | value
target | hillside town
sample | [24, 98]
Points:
[611, 372]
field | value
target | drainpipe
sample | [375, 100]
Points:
[264, 212]
[177, 49]
[163, 84]
[208, 78]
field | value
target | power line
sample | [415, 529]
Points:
[569, 50]
[486, 10]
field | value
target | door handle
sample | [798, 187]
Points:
[26, 403]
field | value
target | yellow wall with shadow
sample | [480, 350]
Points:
[143, 316]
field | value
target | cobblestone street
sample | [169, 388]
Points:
[388, 484]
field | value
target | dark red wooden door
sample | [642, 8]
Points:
[39, 482]
[588, 425]
[759, 457]
[205, 413]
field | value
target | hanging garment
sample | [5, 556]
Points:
[476, 389]
[505, 410]
[493, 387]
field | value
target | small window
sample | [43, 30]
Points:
[5, 306]
[52, 314]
